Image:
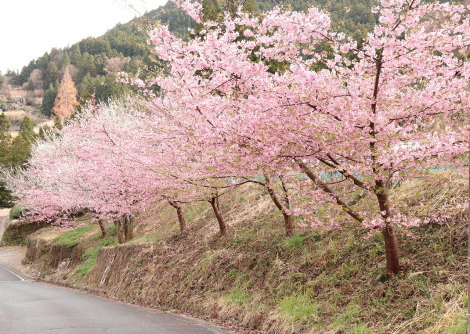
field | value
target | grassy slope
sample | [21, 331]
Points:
[314, 282]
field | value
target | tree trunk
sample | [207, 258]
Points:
[391, 250]
[288, 220]
[128, 227]
[220, 220]
[390, 238]
[179, 212]
[288, 225]
[119, 230]
[103, 230]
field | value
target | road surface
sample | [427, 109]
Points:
[29, 307]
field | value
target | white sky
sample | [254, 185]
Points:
[29, 28]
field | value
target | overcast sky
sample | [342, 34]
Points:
[28, 28]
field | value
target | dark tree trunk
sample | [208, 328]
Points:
[391, 250]
[128, 227]
[220, 219]
[288, 222]
[179, 212]
[119, 230]
[390, 238]
[103, 230]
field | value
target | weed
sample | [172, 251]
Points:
[238, 297]
[91, 255]
[232, 273]
[112, 231]
[70, 238]
[298, 308]
[459, 328]
[360, 329]
[348, 316]
[294, 242]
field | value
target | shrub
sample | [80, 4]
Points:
[16, 211]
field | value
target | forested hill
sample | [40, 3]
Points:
[94, 61]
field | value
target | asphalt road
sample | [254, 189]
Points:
[31, 307]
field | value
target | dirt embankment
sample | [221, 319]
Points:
[54, 255]
[17, 232]
[314, 282]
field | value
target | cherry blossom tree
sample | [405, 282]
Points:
[278, 100]
[293, 94]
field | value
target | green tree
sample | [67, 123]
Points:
[65, 60]
[5, 157]
[20, 152]
[51, 75]
[27, 130]
[109, 88]
[3, 106]
[48, 100]
[76, 54]
[31, 85]
[132, 67]
[87, 66]
[44, 131]
[5, 128]
[42, 62]
[57, 123]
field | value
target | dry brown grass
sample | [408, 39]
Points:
[313, 282]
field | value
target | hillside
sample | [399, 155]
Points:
[314, 282]
[94, 61]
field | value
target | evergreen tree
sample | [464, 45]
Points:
[2, 80]
[20, 151]
[87, 66]
[26, 72]
[76, 55]
[31, 85]
[51, 75]
[27, 130]
[44, 131]
[48, 100]
[57, 124]
[42, 62]
[132, 67]
[65, 60]
[5, 156]
[5, 128]
[3, 106]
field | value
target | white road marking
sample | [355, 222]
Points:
[11, 272]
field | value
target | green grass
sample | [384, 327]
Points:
[70, 238]
[298, 308]
[459, 328]
[238, 297]
[294, 242]
[348, 316]
[112, 231]
[360, 329]
[91, 255]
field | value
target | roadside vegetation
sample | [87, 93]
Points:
[313, 282]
